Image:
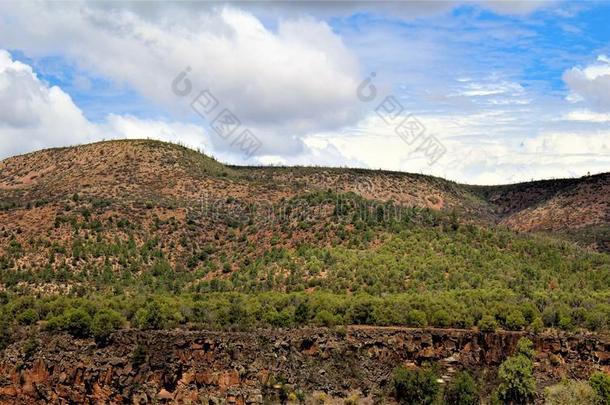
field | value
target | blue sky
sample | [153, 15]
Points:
[510, 90]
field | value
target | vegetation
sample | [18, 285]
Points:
[462, 390]
[570, 392]
[366, 263]
[516, 374]
[600, 382]
[417, 386]
[287, 247]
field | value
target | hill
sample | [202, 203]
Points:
[152, 235]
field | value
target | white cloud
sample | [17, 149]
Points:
[34, 115]
[291, 81]
[483, 146]
[591, 83]
[587, 116]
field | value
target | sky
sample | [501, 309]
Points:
[478, 92]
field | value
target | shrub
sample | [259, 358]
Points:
[488, 323]
[6, 331]
[105, 322]
[416, 386]
[537, 325]
[600, 382]
[549, 316]
[525, 347]
[151, 316]
[27, 317]
[138, 356]
[515, 320]
[596, 319]
[30, 348]
[325, 318]
[416, 318]
[462, 390]
[516, 374]
[565, 321]
[570, 392]
[441, 318]
[361, 312]
[75, 321]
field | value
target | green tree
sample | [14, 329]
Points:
[75, 321]
[488, 323]
[27, 317]
[515, 320]
[6, 331]
[416, 318]
[441, 318]
[325, 318]
[516, 374]
[152, 316]
[600, 382]
[417, 386]
[105, 322]
[462, 390]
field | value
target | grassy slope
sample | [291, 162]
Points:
[118, 222]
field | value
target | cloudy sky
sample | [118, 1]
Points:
[501, 91]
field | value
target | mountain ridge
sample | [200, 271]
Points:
[163, 170]
[163, 236]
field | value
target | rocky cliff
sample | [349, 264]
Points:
[268, 366]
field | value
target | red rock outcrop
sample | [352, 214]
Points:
[245, 367]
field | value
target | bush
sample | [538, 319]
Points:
[570, 392]
[600, 382]
[27, 317]
[138, 356]
[6, 331]
[537, 325]
[525, 347]
[462, 390]
[105, 322]
[516, 374]
[565, 321]
[416, 318]
[441, 318]
[596, 320]
[515, 320]
[416, 386]
[75, 321]
[325, 318]
[488, 323]
[362, 312]
[152, 316]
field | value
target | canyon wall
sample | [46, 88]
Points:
[268, 366]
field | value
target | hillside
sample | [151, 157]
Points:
[115, 243]
[123, 225]
[576, 208]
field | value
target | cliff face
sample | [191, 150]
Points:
[257, 367]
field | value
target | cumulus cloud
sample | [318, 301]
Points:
[591, 84]
[289, 81]
[292, 82]
[33, 114]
